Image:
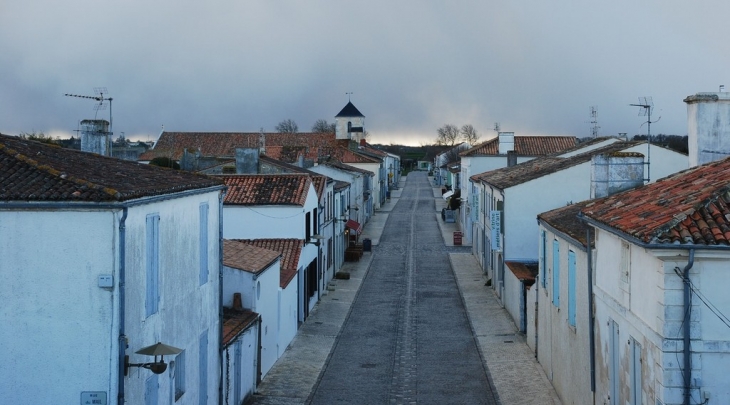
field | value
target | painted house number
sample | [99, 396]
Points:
[93, 398]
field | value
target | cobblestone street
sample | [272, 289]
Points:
[407, 339]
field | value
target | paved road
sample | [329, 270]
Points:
[407, 339]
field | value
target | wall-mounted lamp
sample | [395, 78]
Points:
[157, 349]
[317, 238]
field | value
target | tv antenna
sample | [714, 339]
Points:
[100, 91]
[646, 106]
[594, 122]
[496, 127]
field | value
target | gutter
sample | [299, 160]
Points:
[122, 281]
[687, 309]
[221, 196]
[591, 315]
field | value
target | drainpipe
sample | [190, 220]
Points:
[221, 195]
[591, 315]
[687, 310]
[122, 277]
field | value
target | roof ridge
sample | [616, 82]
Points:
[56, 173]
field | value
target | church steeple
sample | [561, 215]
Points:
[349, 123]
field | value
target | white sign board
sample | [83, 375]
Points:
[495, 220]
[93, 398]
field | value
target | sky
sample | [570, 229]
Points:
[535, 67]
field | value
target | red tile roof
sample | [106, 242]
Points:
[281, 146]
[267, 189]
[290, 250]
[523, 271]
[247, 257]
[566, 220]
[235, 322]
[691, 207]
[32, 171]
[506, 177]
[524, 146]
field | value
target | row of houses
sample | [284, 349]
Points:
[615, 278]
[125, 282]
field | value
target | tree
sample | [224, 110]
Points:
[469, 134]
[287, 126]
[322, 126]
[447, 135]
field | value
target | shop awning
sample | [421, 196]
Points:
[354, 225]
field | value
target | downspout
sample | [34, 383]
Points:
[687, 360]
[122, 278]
[591, 315]
[220, 293]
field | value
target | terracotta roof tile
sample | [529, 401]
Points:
[235, 322]
[689, 207]
[524, 146]
[524, 271]
[247, 257]
[32, 171]
[267, 189]
[566, 220]
[290, 250]
[532, 169]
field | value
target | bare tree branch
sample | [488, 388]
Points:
[322, 126]
[447, 135]
[287, 126]
[469, 134]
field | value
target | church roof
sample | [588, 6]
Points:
[349, 111]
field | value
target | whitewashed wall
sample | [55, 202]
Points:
[288, 323]
[187, 310]
[268, 221]
[236, 392]
[58, 336]
[512, 295]
[259, 294]
[563, 349]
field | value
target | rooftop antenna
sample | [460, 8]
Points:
[646, 106]
[496, 127]
[100, 91]
[594, 122]
[349, 93]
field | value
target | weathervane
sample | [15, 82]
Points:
[349, 93]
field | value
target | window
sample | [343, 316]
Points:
[543, 258]
[556, 273]
[179, 375]
[571, 288]
[203, 243]
[152, 258]
[203, 368]
[307, 229]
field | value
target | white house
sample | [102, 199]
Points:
[278, 206]
[512, 197]
[240, 344]
[359, 179]
[662, 253]
[502, 151]
[100, 259]
[252, 274]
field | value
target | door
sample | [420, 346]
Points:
[613, 347]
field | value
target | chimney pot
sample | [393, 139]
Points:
[237, 303]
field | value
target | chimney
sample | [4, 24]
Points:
[95, 136]
[363, 143]
[237, 303]
[506, 142]
[247, 160]
[511, 158]
[300, 160]
[615, 172]
[708, 127]
[262, 142]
